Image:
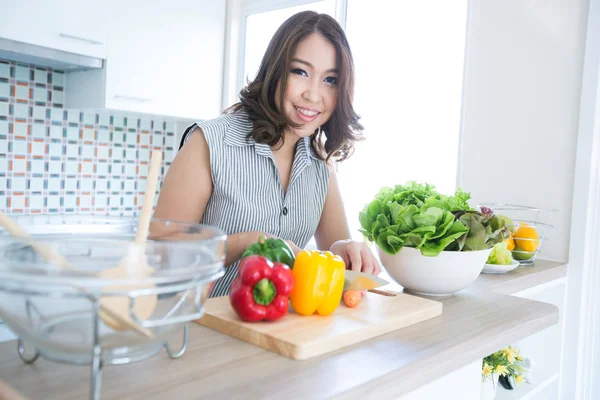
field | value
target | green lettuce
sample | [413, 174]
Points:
[416, 215]
[500, 255]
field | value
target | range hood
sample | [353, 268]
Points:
[32, 54]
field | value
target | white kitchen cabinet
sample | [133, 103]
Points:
[543, 348]
[163, 58]
[73, 26]
[463, 383]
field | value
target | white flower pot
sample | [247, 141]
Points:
[442, 275]
[489, 388]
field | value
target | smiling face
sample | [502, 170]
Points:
[311, 90]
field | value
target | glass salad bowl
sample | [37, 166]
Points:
[65, 307]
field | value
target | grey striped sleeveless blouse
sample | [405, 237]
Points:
[247, 191]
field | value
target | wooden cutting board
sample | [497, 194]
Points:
[301, 337]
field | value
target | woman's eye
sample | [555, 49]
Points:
[331, 79]
[299, 71]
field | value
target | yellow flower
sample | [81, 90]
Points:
[509, 353]
[519, 358]
[487, 370]
[519, 379]
[501, 369]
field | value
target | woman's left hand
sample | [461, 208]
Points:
[357, 256]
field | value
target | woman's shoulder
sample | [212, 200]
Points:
[221, 124]
[217, 128]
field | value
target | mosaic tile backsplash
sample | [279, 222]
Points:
[57, 160]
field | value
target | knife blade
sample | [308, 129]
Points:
[354, 280]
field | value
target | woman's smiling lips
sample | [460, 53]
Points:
[306, 114]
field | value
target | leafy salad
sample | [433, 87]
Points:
[500, 255]
[416, 215]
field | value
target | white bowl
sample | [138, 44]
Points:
[445, 274]
[499, 269]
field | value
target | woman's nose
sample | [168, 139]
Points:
[311, 93]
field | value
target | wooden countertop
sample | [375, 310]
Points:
[474, 324]
[522, 278]
[517, 280]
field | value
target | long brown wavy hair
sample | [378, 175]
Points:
[258, 97]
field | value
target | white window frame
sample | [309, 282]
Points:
[235, 38]
[581, 326]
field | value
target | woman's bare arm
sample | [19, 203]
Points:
[333, 225]
[187, 188]
[333, 233]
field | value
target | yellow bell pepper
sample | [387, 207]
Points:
[319, 282]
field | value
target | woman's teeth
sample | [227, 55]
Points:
[308, 113]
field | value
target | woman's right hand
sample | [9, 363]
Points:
[253, 238]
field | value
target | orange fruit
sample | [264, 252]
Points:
[526, 237]
[510, 242]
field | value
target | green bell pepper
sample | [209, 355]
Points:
[275, 250]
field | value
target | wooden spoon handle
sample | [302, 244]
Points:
[43, 249]
[11, 226]
[151, 184]
[8, 393]
[126, 322]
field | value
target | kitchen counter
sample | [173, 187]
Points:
[522, 278]
[475, 323]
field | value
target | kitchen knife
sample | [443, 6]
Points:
[362, 281]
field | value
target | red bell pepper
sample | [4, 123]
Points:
[261, 289]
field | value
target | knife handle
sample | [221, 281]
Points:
[382, 292]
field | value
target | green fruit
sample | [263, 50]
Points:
[508, 222]
[522, 255]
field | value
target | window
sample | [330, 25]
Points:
[251, 24]
[261, 27]
[409, 58]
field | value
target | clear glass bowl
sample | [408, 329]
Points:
[54, 308]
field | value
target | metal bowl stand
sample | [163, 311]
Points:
[97, 350]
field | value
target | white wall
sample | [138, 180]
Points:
[523, 74]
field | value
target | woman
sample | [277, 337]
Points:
[266, 167]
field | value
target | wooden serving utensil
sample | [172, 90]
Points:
[8, 393]
[47, 252]
[54, 258]
[135, 264]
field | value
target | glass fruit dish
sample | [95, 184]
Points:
[528, 229]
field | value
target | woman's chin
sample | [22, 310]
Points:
[302, 133]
